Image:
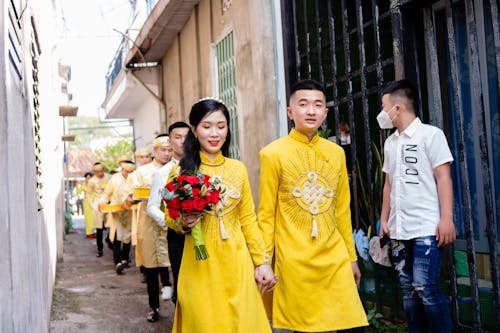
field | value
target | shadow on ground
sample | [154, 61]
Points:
[89, 297]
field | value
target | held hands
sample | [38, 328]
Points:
[266, 280]
[445, 232]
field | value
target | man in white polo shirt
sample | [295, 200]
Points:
[177, 134]
[417, 206]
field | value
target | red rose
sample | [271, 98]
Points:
[174, 213]
[214, 197]
[199, 204]
[196, 192]
[181, 179]
[192, 180]
[175, 203]
[170, 187]
[187, 206]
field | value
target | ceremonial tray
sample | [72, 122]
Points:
[111, 208]
[141, 193]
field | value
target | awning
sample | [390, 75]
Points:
[163, 24]
[127, 97]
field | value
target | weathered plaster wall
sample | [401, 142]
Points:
[189, 71]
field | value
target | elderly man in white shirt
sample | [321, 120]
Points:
[177, 134]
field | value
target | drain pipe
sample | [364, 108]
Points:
[279, 70]
[157, 97]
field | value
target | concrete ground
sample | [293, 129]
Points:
[90, 297]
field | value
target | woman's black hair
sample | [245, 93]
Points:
[191, 160]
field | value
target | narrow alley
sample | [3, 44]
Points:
[90, 297]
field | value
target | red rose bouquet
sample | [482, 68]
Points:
[191, 192]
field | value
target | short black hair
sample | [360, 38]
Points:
[402, 88]
[307, 84]
[88, 174]
[177, 124]
[161, 135]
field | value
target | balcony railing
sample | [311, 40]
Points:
[116, 64]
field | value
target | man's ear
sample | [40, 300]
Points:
[289, 112]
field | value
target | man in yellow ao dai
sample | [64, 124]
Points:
[115, 193]
[95, 190]
[142, 157]
[304, 216]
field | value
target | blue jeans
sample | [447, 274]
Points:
[418, 262]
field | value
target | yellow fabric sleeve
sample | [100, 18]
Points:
[343, 209]
[249, 225]
[268, 199]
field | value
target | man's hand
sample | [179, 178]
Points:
[445, 232]
[356, 272]
[384, 229]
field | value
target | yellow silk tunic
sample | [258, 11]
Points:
[93, 195]
[220, 294]
[152, 249]
[87, 212]
[304, 215]
[119, 222]
[131, 184]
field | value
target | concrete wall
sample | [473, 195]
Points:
[189, 71]
[150, 118]
[28, 236]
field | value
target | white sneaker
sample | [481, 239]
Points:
[166, 293]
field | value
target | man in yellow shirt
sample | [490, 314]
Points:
[305, 218]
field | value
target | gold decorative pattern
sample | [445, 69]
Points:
[311, 194]
[307, 192]
[225, 204]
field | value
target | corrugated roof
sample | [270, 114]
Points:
[80, 161]
[166, 20]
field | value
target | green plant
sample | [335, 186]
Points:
[374, 318]
[109, 155]
[321, 133]
[69, 222]
[375, 180]
[380, 324]
[393, 328]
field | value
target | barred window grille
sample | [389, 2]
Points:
[34, 52]
[449, 48]
[226, 80]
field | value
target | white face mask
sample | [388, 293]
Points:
[384, 120]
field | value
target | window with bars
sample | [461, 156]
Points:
[35, 52]
[226, 87]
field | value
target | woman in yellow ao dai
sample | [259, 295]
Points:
[220, 293]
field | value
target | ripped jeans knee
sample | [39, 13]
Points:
[418, 262]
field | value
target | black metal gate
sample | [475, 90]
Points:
[354, 47]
